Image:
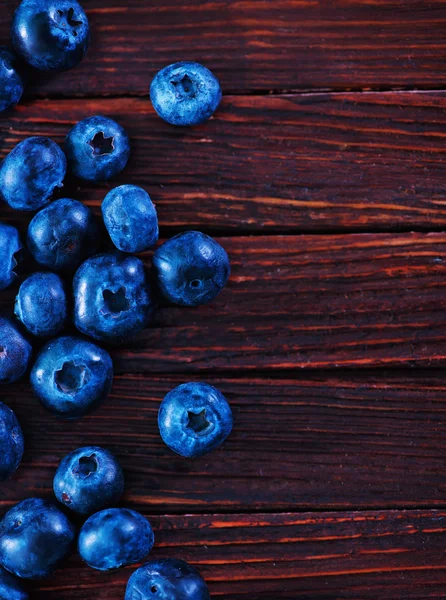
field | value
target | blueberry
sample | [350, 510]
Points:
[11, 443]
[50, 35]
[185, 93]
[72, 377]
[114, 538]
[194, 418]
[192, 268]
[130, 218]
[62, 235]
[31, 172]
[89, 479]
[97, 148]
[112, 300]
[10, 588]
[35, 536]
[15, 352]
[41, 304]
[10, 254]
[11, 82]
[166, 579]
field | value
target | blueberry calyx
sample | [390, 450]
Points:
[71, 377]
[101, 145]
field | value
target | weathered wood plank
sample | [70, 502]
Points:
[273, 164]
[258, 45]
[325, 441]
[365, 555]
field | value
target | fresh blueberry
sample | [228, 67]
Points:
[115, 537]
[130, 218]
[112, 299]
[35, 536]
[11, 443]
[185, 93]
[15, 352]
[10, 254]
[62, 235]
[10, 588]
[11, 82]
[41, 304]
[50, 35]
[167, 579]
[194, 418]
[97, 148]
[31, 172]
[192, 268]
[72, 377]
[89, 479]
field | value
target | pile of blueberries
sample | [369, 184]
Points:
[110, 297]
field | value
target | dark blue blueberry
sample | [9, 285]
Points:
[10, 588]
[194, 418]
[62, 235]
[192, 268]
[167, 579]
[11, 82]
[41, 304]
[97, 148]
[114, 538]
[112, 299]
[72, 377]
[35, 536]
[15, 352]
[130, 218]
[11, 443]
[31, 172]
[89, 479]
[185, 93]
[10, 254]
[50, 35]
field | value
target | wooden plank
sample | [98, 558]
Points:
[273, 164]
[315, 441]
[258, 45]
[364, 555]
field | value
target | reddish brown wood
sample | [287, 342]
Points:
[258, 44]
[273, 164]
[314, 441]
[353, 555]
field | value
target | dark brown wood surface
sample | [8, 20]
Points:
[323, 175]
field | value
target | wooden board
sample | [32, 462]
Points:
[313, 162]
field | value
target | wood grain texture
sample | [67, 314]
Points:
[316, 162]
[314, 441]
[258, 44]
[354, 555]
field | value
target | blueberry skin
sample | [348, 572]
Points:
[62, 235]
[31, 172]
[112, 300]
[11, 82]
[15, 352]
[192, 268]
[50, 35]
[194, 418]
[185, 93]
[72, 377]
[41, 304]
[130, 218]
[10, 588]
[166, 579]
[10, 246]
[97, 148]
[11, 443]
[88, 480]
[115, 537]
[35, 536]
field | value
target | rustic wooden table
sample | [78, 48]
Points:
[323, 174]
